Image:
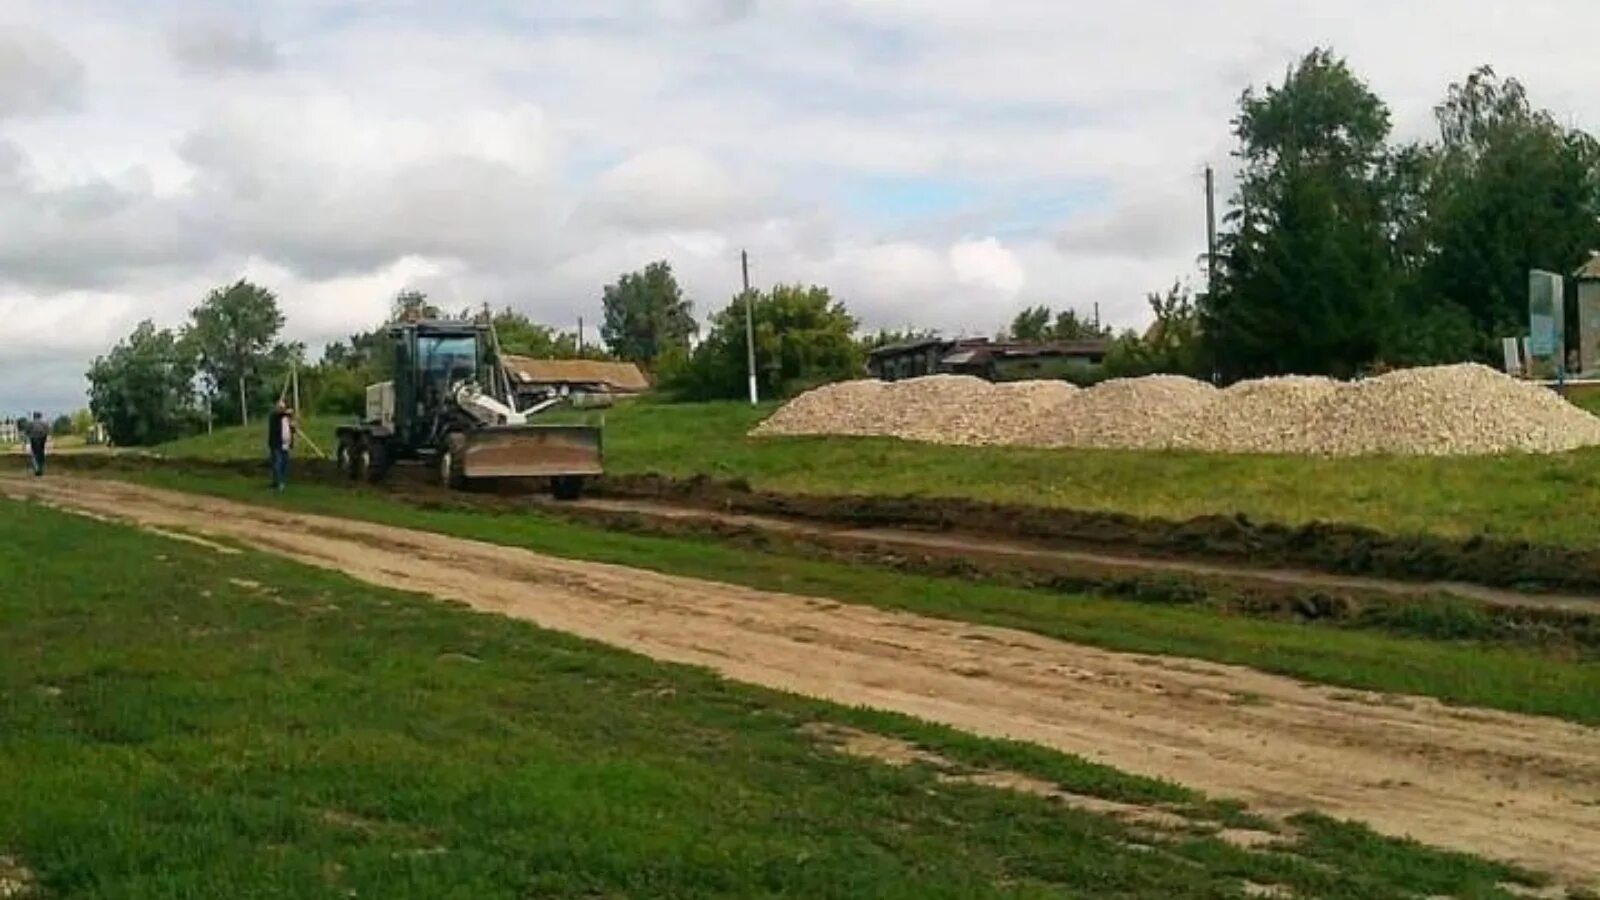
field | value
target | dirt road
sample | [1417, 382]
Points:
[1519, 788]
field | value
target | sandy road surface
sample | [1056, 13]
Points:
[1519, 788]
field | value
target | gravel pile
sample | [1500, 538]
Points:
[1270, 415]
[939, 409]
[1441, 411]
[1124, 413]
[1450, 411]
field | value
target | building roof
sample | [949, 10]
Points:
[622, 377]
[915, 346]
[1589, 271]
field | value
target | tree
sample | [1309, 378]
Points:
[1069, 327]
[1032, 324]
[234, 338]
[884, 337]
[1509, 189]
[1040, 324]
[142, 389]
[521, 336]
[803, 338]
[1172, 343]
[1306, 277]
[646, 314]
[62, 425]
[82, 422]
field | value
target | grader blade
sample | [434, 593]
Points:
[532, 451]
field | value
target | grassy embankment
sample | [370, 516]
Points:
[1427, 661]
[176, 722]
[1543, 499]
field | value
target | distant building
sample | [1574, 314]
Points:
[534, 379]
[983, 358]
[8, 432]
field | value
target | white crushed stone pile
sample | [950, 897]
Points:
[1269, 415]
[940, 409]
[1440, 411]
[856, 408]
[1450, 411]
[1124, 413]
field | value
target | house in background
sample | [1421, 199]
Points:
[992, 360]
[534, 380]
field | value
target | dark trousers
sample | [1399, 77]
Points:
[280, 466]
[36, 455]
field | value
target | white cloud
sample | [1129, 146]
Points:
[987, 265]
[37, 74]
[213, 48]
[674, 188]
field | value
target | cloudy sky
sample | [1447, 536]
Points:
[936, 162]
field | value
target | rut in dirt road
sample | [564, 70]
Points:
[1518, 788]
[976, 547]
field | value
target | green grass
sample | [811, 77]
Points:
[1464, 672]
[1545, 499]
[178, 723]
[249, 442]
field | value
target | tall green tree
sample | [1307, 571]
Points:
[803, 337]
[646, 315]
[143, 389]
[1172, 344]
[1031, 324]
[1069, 326]
[885, 337]
[521, 336]
[1042, 324]
[234, 336]
[1307, 281]
[1510, 189]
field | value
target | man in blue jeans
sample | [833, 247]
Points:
[280, 440]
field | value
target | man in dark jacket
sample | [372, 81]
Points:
[280, 439]
[38, 436]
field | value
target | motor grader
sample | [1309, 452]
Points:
[450, 405]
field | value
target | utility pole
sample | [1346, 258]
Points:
[580, 335]
[1211, 230]
[244, 409]
[749, 325]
